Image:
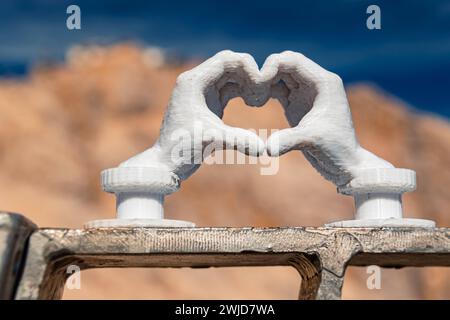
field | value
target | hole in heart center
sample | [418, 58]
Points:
[294, 94]
[269, 117]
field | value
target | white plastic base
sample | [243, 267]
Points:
[378, 223]
[141, 223]
[140, 195]
[139, 205]
[378, 206]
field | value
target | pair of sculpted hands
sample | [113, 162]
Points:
[313, 99]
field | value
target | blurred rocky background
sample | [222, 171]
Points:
[62, 124]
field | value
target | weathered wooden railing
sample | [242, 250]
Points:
[34, 261]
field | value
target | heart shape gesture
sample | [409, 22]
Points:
[315, 106]
[195, 110]
[317, 109]
[313, 98]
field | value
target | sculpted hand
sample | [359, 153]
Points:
[193, 122]
[317, 109]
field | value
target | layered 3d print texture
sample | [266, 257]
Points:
[316, 107]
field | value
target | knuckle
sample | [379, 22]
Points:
[183, 77]
[288, 53]
[295, 56]
[333, 78]
[226, 54]
[247, 57]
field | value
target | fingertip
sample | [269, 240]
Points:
[282, 142]
[250, 143]
[270, 65]
[259, 148]
[273, 145]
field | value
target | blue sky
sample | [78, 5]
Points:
[409, 57]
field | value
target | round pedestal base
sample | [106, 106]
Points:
[141, 223]
[378, 223]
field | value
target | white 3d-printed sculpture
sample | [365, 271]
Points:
[316, 107]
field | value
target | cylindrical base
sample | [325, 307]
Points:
[140, 195]
[139, 205]
[378, 199]
[378, 206]
[139, 209]
[378, 210]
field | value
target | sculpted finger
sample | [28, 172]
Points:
[224, 76]
[225, 62]
[245, 141]
[285, 140]
[303, 69]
